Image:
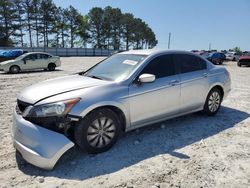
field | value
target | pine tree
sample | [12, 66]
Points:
[8, 22]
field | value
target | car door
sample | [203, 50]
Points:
[154, 101]
[29, 62]
[193, 81]
[44, 60]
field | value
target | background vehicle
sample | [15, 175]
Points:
[10, 54]
[244, 60]
[31, 61]
[232, 56]
[125, 91]
[215, 57]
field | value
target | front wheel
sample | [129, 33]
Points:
[213, 102]
[14, 69]
[98, 131]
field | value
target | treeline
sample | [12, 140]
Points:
[40, 23]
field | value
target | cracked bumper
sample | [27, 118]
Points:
[37, 145]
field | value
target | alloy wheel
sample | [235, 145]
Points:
[101, 132]
[214, 101]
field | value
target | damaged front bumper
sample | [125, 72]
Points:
[37, 145]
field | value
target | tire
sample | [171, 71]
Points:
[98, 131]
[213, 102]
[51, 67]
[234, 59]
[14, 69]
[239, 64]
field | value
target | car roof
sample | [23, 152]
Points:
[154, 52]
[29, 53]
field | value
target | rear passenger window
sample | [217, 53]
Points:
[44, 56]
[189, 63]
[161, 66]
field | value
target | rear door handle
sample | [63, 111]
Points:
[174, 82]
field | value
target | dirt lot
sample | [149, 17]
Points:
[191, 151]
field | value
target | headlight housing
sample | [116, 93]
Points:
[60, 108]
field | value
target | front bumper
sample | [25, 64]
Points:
[37, 145]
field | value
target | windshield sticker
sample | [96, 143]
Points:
[130, 62]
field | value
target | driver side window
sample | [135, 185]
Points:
[161, 66]
[31, 57]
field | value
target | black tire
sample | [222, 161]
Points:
[51, 67]
[89, 137]
[239, 64]
[14, 69]
[234, 59]
[213, 102]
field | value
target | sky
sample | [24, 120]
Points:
[194, 24]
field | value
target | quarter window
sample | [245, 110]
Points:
[161, 66]
[189, 63]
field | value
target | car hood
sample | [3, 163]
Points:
[244, 57]
[52, 87]
[7, 62]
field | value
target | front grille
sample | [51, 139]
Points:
[22, 105]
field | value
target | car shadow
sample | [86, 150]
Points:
[30, 72]
[140, 145]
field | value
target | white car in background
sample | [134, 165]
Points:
[232, 56]
[31, 61]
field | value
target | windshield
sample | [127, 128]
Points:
[116, 68]
[21, 57]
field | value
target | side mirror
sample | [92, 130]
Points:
[146, 78]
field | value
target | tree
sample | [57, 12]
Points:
[54, 26]
[36, 19]
[128, 29]
[115, 21]
[8, 22]
[47, 10]
[75, 22]
[20, 13]
[237, 49]
[28, 8]
[96, 20]
[83, 30]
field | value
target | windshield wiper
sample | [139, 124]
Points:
[96, 77]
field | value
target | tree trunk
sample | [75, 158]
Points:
[29, 28]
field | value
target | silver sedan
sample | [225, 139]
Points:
[125, 91]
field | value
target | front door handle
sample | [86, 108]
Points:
[205, 74]
[174, 82]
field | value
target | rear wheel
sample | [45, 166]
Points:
[213, 102]
[14, 69]
[51, 67]
[98, 131]
[239, 64]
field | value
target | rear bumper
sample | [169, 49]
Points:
[38, 146]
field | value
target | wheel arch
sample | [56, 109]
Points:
[9, 67]
[115, 107]
[219, 86]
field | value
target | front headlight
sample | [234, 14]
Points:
[60, 108]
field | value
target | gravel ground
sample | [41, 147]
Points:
[190, 151]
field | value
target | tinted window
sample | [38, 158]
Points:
[161, 66]
[189, 63]
[31, 57]
[44, 56]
